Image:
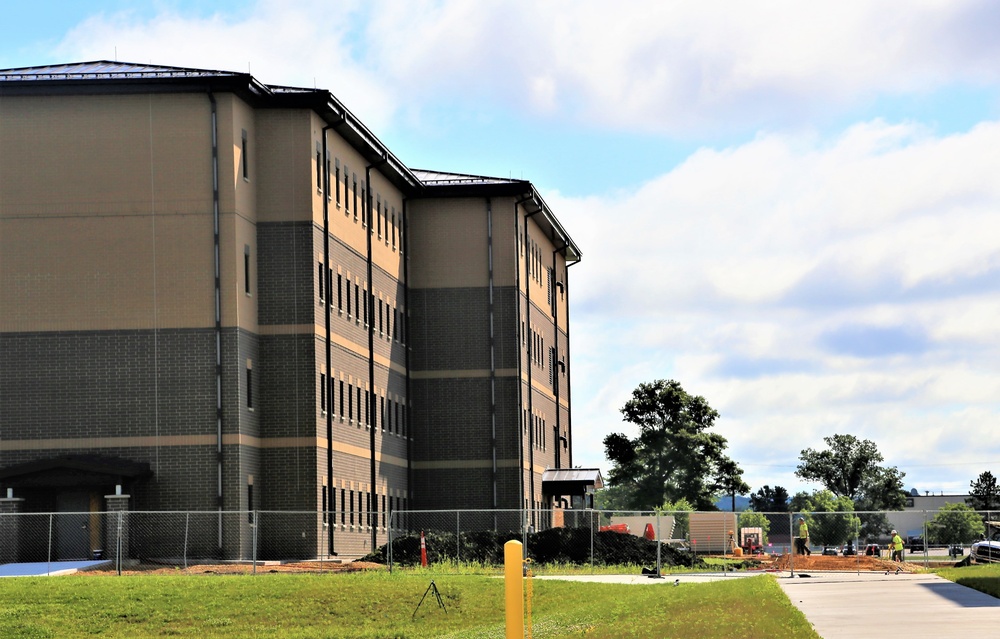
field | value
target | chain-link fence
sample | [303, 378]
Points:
[554, 540]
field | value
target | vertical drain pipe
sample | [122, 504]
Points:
[556, 284]
[218, 310]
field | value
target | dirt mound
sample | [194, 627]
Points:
[828, 562]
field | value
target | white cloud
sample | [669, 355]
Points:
[805, 288]
[677, 67]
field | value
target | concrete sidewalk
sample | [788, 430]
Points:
[857, 606]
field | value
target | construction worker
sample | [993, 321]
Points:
[896, 546]
[802, 541]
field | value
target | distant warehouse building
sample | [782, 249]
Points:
[218, 294]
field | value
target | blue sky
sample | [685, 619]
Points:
[791, 208]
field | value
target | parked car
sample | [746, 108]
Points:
[915, 544]
[849, 550]
[830, 550]
[873, 550]
[987, 550]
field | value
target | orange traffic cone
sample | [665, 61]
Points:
[423, 550]
[649, 534]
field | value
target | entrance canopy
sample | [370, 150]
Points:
[76, 471]
[571, 481]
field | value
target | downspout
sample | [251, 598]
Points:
[555, 359]
[218, 311]
[493, 347]
[330, 492]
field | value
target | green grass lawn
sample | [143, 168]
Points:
[382, 605]
[984, 578]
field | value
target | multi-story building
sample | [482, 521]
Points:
[217, 294]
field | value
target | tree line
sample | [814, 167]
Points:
[676, 462]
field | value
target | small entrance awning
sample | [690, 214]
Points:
[571, 481]
[73, 471]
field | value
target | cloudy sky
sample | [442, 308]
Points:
[789, 207]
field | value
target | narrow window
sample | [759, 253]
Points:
[336, 180]
[321, 276]
[352, 506]
[378, 212]
[357, 301]
[364, 207]
[246, 269]
[381, 412]
[249, 385]
[381, 325]
[358, 390]
[330, 395]
[340, 297]
[347, 192]
[343, 508]
[329, 195]
[348, 300]
[323, 505]
[350, 403]
[329, 283]
[394, 228]
[341, 404]
[244, 158]
[368, 303]
[319, 168]
[354, 183]
[250, 498]
[322, 393]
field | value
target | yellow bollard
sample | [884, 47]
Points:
[513, 572]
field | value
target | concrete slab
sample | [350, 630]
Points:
[50, 569]
[858, 606]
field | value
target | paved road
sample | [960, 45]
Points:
[853, 606]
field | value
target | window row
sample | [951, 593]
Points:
[351, 402]
[359, 510]
[360, 305]
[538, 425]
[351, 196]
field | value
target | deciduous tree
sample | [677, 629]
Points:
[851, 468]
[675, 454]
[955, 524]
[768, 500]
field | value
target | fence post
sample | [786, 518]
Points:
[926, 540]
[393, 514]
[253, 527]
[659, 564]
[591, 527]
[791, 544]
[118, 542]
[48, 568]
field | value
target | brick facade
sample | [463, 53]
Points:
[179, 325]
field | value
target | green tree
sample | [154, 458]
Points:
[768, 500]
[680, 510]
[675, 455]
[730, 482]
[955, 524]
[851, 468]
[984, 493]
[830, 518]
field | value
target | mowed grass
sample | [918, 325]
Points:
[382, 605]
[984, 578]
